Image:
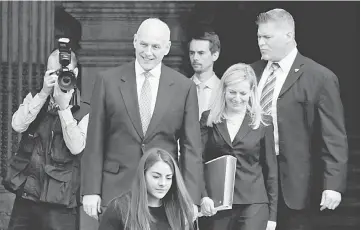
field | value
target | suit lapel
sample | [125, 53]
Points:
[242, 131]
[128, 89]
[223, 131]
[164, 97]
[294, 73]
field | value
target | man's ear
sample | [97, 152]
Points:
[135, 40]
[215, 56]
[167, 47]
[76, 71]
[290, 36]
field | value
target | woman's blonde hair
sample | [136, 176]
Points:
[235, 74]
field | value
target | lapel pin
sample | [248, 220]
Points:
[296, 70]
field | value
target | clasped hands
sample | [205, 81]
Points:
[50, 85]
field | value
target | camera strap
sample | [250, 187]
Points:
[53, 107]
[75, 99]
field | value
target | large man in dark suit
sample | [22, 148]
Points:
[135, 107]
[303, 101]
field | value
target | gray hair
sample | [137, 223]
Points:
[279, 16]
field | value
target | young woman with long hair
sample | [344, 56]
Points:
[234, 126]
[158, 199]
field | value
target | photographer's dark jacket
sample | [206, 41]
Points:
[44, 169]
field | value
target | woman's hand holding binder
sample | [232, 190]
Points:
[207, 207]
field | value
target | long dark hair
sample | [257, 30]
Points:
[177, 202]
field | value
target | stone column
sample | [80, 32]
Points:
[26, 39]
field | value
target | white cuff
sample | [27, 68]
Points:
[66, 116]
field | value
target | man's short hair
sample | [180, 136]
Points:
[276, 15]
[212, 37]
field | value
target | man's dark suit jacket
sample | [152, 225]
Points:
[310, 123]
[256, 173]
[115, 140]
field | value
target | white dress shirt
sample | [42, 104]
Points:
[233, 126]
[204, 100]
[74, 133]
[281, 75]
[153, 80]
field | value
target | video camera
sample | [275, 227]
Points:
[66, 77]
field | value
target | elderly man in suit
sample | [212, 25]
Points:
[135, 107]
[303, 101]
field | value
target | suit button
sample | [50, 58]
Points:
[143, 145]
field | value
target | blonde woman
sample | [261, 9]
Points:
[234, 126]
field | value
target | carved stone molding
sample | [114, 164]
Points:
[128, 10]
[116, 52]
[113, 46]
[108, 27]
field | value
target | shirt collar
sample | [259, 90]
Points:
[156, 71]
[286, 62]
[211, 83]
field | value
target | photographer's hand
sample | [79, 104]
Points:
[50, 79]
[61, 98]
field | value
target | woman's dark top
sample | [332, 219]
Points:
[112, 218]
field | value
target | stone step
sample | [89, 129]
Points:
[351, 200]
[348, 206]
[338, 227]
[354, 158]
[337, 222]
[354, 151]
[352, 190]
[353, 142]
[353, 175]
[353, 168]
[353, 186]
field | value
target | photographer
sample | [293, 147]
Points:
[45, 171]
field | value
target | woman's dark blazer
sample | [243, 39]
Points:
[256, 174]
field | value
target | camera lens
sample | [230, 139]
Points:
[66, 80]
